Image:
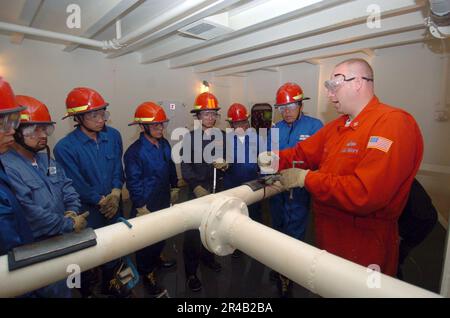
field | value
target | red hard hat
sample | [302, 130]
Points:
[237, 112]
[205, 101]
[8, 103]
[149, 113]
[83, 100]
[289, 93]
[35, 113]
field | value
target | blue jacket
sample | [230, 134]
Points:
[300, 130]
[14, 229]
[150, 173]
[95, 168]
[290, 135]
[244, 166]
[43, 198]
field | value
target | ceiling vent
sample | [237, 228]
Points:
[205, 30]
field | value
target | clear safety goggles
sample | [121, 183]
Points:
[240, 124]
[334, 84]
[9, 121]
[38, 130]
[162, 125]
[97, 115]
[209, 114]
[289, 107]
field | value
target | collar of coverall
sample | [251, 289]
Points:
[102, 136]
[356, 123]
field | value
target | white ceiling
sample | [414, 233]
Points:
[264, 33]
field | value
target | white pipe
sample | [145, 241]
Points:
[116, 44]
[222, 224]
[317, 270]
[118, 240]
[158, 21]
[51, 35]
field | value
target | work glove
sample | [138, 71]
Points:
[174, 195]
[221, 164]
[110, 204]
[181, 183]
[268, 162]
[70, 213]
[142, 211]
[79, 221]
[199, 191]
[293, 178]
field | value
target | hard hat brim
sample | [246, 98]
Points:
[12, 110]
[297, 101]
[195, 111]
[86, 111]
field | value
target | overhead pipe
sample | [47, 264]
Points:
[104, 45]
[114, 44]
[224, 225]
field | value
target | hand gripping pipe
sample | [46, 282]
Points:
[224, 225]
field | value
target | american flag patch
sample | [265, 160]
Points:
[379, 143]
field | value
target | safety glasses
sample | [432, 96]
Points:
[209, 114]
[9, 121]
[97, 115]
[157, 125]
[240, 124]
[334, 84]
[288, 107]
[36, 131]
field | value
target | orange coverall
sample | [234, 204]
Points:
[360, 179]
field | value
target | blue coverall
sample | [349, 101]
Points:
[15, 231]
[43, 198]
[14, 228]
[243, 166]
[150, 173]
[290, 216]
[95, 167]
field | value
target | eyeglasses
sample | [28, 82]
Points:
[37, 130]
[9, 121]
[97, 115]
[334, 84]
[290, 107]
[209, 114]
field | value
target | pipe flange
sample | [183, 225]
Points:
[215, 227]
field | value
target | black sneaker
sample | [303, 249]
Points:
[285, 287]
[166, 263]
[212, 264]
[194, 283]
[152, 286]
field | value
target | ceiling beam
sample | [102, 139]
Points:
[110, 16]
[360, 31]
[207, 11]
[373, 43]
[320, 22]
[150, 56]
[29, 11]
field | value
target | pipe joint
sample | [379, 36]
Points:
[217, 223]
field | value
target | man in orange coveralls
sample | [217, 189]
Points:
[359, 169]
